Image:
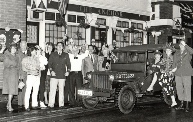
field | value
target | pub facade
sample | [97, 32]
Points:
[105, 21]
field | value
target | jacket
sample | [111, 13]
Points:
[59, 64]
[182, 62]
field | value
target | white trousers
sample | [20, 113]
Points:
[53, 87]
[32, 82]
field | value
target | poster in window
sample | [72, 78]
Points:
[7, 37]
[32, 33]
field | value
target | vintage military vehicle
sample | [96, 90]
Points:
[124, 82]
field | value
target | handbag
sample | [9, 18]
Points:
[21, 84]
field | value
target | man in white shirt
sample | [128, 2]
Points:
[75, 76]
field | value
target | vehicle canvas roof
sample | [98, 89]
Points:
[141, 48]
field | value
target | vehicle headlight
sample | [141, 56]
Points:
[89, 76]
[111, 77]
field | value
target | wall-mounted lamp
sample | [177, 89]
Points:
[41, 7]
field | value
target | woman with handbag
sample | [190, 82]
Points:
[10, 73]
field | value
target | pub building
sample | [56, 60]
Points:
[102, 20]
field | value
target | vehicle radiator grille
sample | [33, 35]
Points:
[101, 82]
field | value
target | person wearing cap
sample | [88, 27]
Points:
[154, 67]
[182, 61]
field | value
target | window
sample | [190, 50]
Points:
[137, 38]
[80, 18]
[54, 34]
[101, 21]
[78, 35]
[122, 39]
[123, 24]
[71, 18]
[33, 33]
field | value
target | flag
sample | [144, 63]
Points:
[63, 6]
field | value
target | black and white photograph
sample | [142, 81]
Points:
[96, 60]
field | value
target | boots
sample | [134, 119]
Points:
[187, 107]
[181, 106]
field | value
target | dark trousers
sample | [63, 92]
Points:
[76, 81]
[67, 89]
[21, 93]
[42, 85]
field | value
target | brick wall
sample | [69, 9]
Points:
[13, 12]
[166, 11]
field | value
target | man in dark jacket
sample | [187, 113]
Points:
[59, 66]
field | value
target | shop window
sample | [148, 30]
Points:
[71, 18]
[78, 34]
[137, 38]
[54, 34]
[122, 39]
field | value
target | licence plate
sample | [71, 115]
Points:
[85, 92]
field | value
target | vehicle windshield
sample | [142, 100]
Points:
[130, 57]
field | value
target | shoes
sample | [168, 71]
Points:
[35, 107]
[181, 107]
[63, 107]
[10, 109]
[27, 109]
[187, 107]
[173, 105]
[42, 105]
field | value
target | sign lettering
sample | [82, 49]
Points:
[86, 9]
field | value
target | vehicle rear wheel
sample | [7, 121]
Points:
[90, 102]
[126, 99]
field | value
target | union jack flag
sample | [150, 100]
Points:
[63, 6]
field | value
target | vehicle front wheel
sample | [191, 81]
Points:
[90, 102]
[126, 99]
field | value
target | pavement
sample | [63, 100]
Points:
[47, 115]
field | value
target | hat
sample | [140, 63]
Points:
[169, 46]
[157, 52]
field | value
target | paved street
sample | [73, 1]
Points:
[150, 112]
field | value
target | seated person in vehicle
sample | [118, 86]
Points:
[153, 70]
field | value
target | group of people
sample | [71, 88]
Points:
[173, 73]
[30, 72]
